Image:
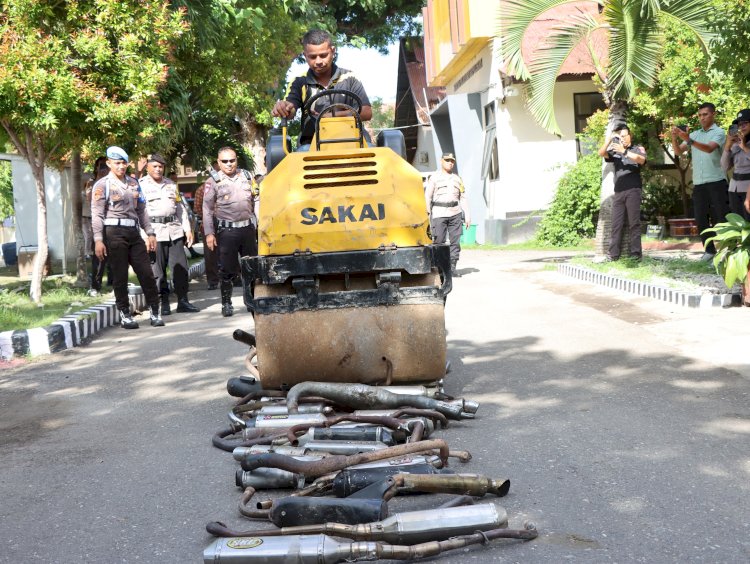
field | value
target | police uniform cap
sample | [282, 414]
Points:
[157, 158]
[743, 115]
[449, 157]
[117, 154]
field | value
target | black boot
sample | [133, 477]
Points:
[165, 309]
[454, 272]
[226, 298]
[184, 306]
[156, 320]
[127, 321]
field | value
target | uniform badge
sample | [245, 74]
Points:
[226, 197]
[98, 194]
[116, 195]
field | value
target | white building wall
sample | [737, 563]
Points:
[531, 160]
[60, 233]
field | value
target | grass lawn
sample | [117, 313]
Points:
[59, 297]
[675, 272]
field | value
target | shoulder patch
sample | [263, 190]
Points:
[98, 193]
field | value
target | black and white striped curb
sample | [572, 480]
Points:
[68, 331]
[196, 270]
[677, 297]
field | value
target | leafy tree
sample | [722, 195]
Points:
[383, 114]
[635, 34]
[731, 45]
[6, 190]
[70, 71]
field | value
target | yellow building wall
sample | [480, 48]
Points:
[456, 31]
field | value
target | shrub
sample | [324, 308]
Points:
[574, 210]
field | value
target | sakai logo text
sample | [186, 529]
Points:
[342, 214]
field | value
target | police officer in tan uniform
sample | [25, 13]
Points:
[118, 209]
[171, 223]
[229, 221]
[446, 199]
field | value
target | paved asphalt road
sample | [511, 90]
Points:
[622, 423]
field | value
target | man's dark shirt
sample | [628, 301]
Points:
[304, 87]
[627, 171]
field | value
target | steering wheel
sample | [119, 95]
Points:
[355, 106]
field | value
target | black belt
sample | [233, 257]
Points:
[445, 204]
[165, 219]
[741, 175]
[226, 223]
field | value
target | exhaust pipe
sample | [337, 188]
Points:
[315, 469]
[459, 484]
[269, 479]
[351, 480]
[354, 434]
[403, 528]
[362, 396]
[322, 549]
[311, 447]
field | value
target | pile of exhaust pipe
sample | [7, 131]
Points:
[335, 455]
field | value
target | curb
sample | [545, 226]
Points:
[645, 289]
[67, 332]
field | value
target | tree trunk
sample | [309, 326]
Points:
[35, 292]
[77, 198]
[254, 138]
[617, 113]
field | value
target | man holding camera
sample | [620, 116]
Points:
[628, 159]
[709, 179]
[736, 156]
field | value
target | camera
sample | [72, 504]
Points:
[683, 127]
[616, 139]
[733, 130]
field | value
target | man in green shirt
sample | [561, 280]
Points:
[709, 179]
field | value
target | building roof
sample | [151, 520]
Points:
[579, 62]
[414, 99]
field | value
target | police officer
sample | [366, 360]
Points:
[446, 199]
[171, 222]
[229, 221]
[323, 74]
[118, 208]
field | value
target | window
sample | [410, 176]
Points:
[585, 105]
[490, 165]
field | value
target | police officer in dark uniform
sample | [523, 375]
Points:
[229, 221]
[323, 74]
[118, 209]
[171, 222]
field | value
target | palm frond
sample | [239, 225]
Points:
[634, 48]
[547, 64]
[515, 17]
[693, 14]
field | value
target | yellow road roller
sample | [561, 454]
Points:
[347, 285]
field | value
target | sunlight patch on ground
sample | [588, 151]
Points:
[578, 384]
[695, 385]
[714, 471]
[630, 505]
[513, 404]
[726, 426]
[746, 466]
[50, 424]
[75, 391]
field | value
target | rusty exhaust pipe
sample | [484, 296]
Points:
[384, 421]
[331, 464]
[362, 396]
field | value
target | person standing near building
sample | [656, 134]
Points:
[210, 256]
[709, 180]
[171, 223]
[118, 209]
[736, 155]
[446, 200]
[628, 159]
[229, 221]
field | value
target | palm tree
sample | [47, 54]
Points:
[634, 32]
